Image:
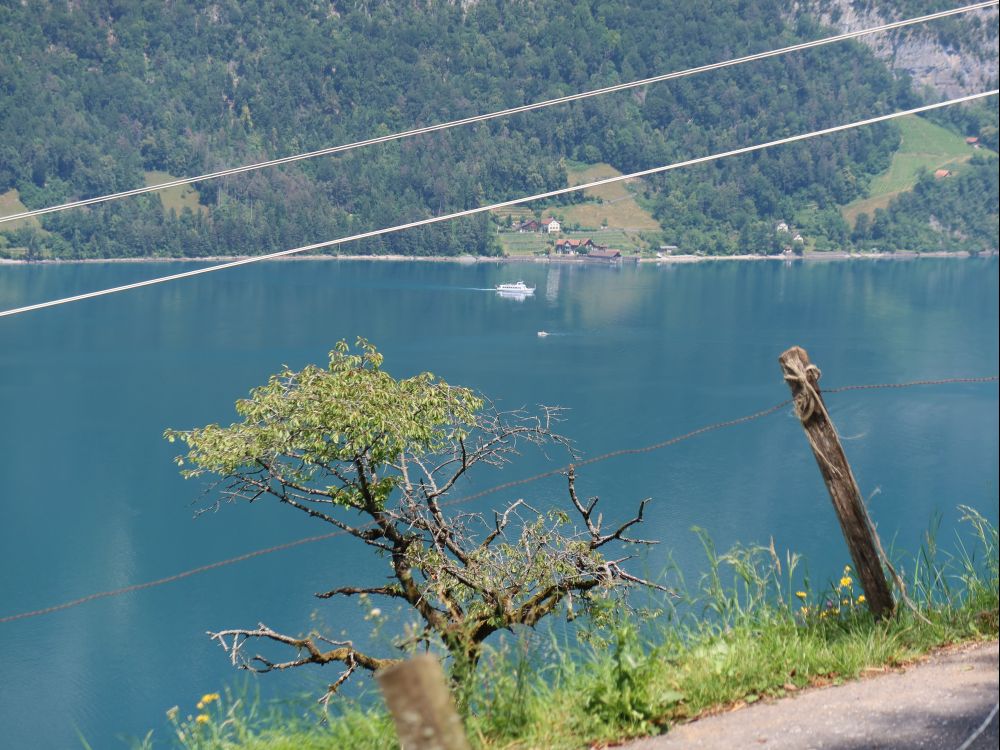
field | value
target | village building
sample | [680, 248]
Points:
[572, 247]
[552, 226]
[608, 255]
[942, 173]
[781, 226]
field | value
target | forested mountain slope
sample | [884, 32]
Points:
[98, 94]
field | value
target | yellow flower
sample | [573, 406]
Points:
[209, 697]
[202, 718]
[845, 602]
[800, 594]
[845, 582]
[861, 599]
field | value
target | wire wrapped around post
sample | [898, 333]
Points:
[803, 377]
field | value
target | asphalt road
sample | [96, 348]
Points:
[938, 703]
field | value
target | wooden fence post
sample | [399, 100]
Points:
[803, 377]
[418, 698]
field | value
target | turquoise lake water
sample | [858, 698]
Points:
[92, 500]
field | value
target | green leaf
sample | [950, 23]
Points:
[670, 697]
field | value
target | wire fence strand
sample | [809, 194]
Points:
[482, 493]
[623, 452]
[168, 579]
[910, 384]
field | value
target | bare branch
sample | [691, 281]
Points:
[332, 689]
[501, 524]
[585, 512]
[389, 590]
[344, 652]
[618, 534]
[625, 576]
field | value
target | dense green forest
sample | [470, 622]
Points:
[939, 214]
[97, 94]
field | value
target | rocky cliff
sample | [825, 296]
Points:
[946, 58]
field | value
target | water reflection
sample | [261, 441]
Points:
[519, 296]
[636, 355]
[552, 283]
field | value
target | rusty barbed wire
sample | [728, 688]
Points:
[911, 384]
[168, 579]
[623, 452]
[482, 493]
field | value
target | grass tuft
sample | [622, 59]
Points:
[744, 634]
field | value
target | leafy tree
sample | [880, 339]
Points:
[377, 458]
[862, 228]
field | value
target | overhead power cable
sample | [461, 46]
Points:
[493, 206]
[500, 113]
[476, 495]
[982, 728]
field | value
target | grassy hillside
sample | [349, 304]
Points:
[612, 205]
[10, 203]
[611, 215]
[924, 146]
[176, 198]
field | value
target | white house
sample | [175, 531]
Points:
[781, 226]
[552, 226]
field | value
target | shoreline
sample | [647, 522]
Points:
[476, 259]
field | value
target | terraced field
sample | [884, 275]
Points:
[615, 206]
[925, 146]
[612, 216]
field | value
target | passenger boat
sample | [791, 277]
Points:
[518, 287]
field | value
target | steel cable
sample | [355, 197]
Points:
[493, 206]
[494, 115]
